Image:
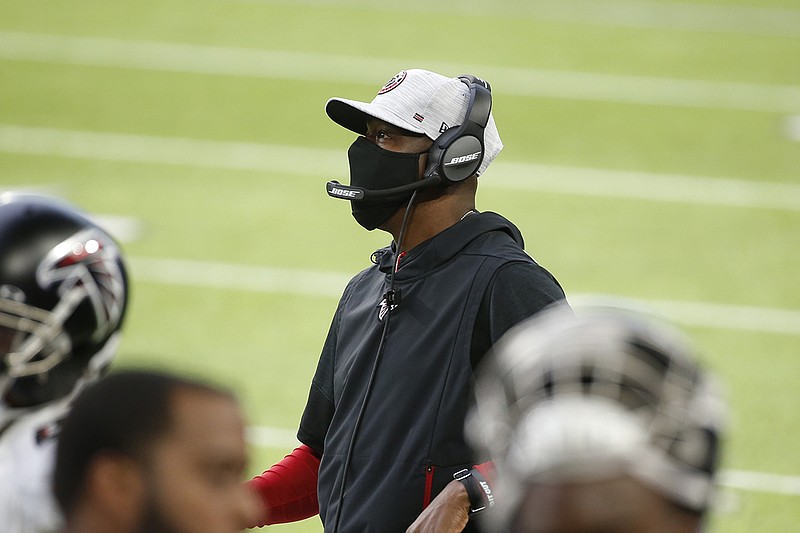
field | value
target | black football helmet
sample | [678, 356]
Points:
[63, 294]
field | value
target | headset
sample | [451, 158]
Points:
[454, 156]
[458, 152]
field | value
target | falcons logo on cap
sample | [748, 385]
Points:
[394, 82]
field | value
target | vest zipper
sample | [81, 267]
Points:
[400, 257]
[428, 485]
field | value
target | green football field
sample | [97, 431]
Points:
[652, 153]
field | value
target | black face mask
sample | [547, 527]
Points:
[374, 169]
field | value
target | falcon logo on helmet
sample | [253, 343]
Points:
[84, 268]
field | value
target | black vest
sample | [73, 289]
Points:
[410, 437]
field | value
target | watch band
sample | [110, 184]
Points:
[475, 492]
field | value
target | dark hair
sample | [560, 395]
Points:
[124, 413]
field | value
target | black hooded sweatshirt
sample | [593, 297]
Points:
[459, 292]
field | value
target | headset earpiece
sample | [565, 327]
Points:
[458, 152]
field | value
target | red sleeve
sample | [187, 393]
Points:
[289, 488]
[487, 471]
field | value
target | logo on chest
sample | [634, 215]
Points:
[391, 299]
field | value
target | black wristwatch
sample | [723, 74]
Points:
[478, 490]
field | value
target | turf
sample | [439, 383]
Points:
[265, 343]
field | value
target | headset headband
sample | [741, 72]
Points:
[458, 152]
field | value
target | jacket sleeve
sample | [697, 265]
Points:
[518, 291]
[320, 406]
[289, 488]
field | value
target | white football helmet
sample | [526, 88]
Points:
[587, 392]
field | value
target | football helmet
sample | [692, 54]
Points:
[598, 389]
[63, 295]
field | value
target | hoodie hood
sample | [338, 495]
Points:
[440, 248]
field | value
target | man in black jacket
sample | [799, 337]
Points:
[383, 446]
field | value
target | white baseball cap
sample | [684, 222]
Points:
[416, 100]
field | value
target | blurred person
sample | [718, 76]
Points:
[147, 451]
[597, 418]
[63, 294]
[382, 437]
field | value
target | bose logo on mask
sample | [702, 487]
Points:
[463, 159]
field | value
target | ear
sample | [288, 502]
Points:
[115, 487]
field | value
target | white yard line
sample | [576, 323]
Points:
[643, 185]
[171, 151]
[792, 128]
[331, 284]
[315, 67]
[760, 482]
[122, 228]
[269, 437]
[329, 163]
[710, 315]
[238, 277]
[727, 316]
[748, 20]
